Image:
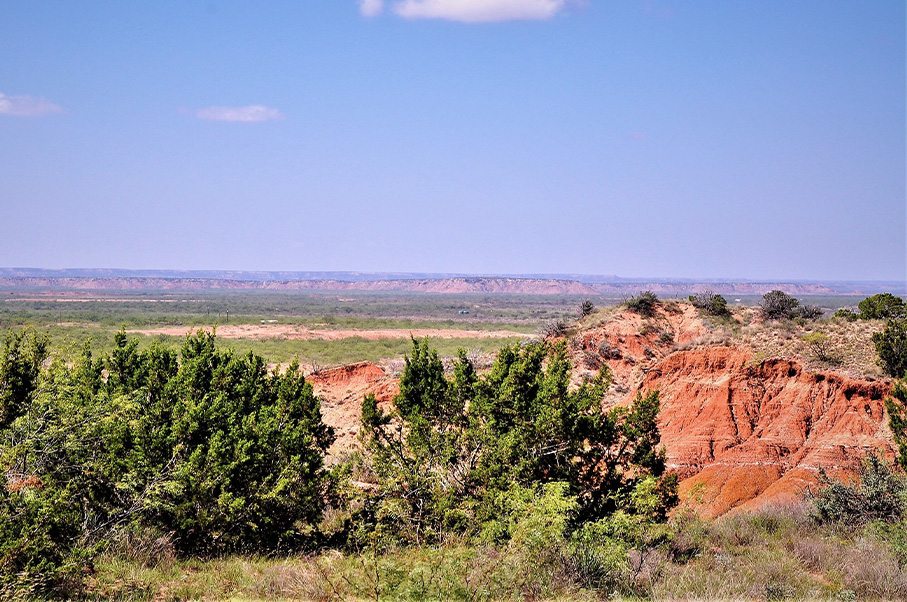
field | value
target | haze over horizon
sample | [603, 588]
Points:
[758, 141]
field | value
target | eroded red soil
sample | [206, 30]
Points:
[743, 433]
[341, 391]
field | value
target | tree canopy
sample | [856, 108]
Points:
[450, 450]
[203, 446]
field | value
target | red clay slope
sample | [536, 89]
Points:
[739, 432]
[745, 433]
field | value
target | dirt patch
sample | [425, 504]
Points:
[631, 344]
[341, 391]
[301, 333]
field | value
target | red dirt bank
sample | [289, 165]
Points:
[742, 434]
[739, 432]
[341, 391]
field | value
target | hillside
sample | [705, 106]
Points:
[747, 416]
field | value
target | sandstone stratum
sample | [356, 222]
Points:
[743, 423]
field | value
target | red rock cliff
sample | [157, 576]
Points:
[742, 433]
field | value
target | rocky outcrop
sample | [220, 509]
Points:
[742, 433]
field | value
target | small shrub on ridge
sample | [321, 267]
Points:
[776, 305]
[891, 345]
[711, 303]
[882, 307]
[586, 308]
[644, 303]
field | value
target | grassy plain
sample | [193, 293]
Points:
[73, 317]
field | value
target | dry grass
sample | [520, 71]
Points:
[849, 344]
[773, 554]
[453, 572]
[777, 553]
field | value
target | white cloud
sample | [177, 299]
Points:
[371, 8]
[479, 11]
[249, 114]
[27, 106]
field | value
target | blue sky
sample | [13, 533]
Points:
[759, 140]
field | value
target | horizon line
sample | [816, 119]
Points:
[233, 274]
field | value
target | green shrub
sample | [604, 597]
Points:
[20, 366]
[880, 494]
[597, 559]
[896, 406]
[894, 533]
[891, 346]
[846, 314]
[539, 517]
[452, 450]
[39, 526]
[882, 307]
[821, 347]
[203, 445]
[248, 449]
[600, 550]
[710, 303]
[776, 305]
[644, 303]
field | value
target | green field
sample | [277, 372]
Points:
[72, 318]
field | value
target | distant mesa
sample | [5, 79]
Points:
[534, 284]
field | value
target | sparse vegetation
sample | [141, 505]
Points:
[710, 303]
[820, 345]
[644, 303]
[808, 312]
[586, 307]
[553, 329]
[848, 345]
